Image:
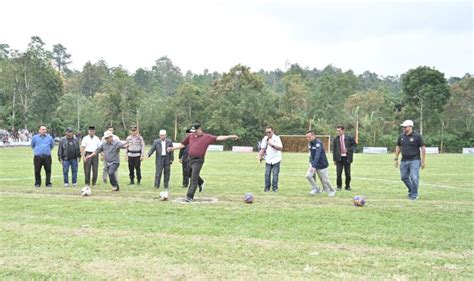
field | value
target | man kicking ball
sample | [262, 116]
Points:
[198, 142]
[111, 149]
[318, 164]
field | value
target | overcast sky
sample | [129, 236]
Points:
[386, 37]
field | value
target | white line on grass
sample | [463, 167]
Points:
[422, 184]
[361, 178]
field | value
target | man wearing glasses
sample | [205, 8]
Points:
[270, 150]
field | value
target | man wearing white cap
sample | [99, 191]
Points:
[409, 144]
[164, 158]
[111, 149]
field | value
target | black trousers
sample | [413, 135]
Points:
[39, 162]
[196, 166]
[160, 167]
[91, 164]
[346, 166]
[186, 171]
[134, 163]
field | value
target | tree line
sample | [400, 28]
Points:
[38, 87]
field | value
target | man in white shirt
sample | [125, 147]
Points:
[164, 158]
[88, 145]
[270, 150]
[105, 169]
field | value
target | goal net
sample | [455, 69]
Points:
[299, 143]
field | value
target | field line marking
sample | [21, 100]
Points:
[421, 183]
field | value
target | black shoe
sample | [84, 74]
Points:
[37, 185]
[115, 188]
[275, 190]
[49, 185]
[157, 187]
[339, 188]
[266, 190]
[348, 189]
[139, 182]
[189, 200]
[131, 183]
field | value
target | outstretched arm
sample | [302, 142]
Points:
[179, 146]
[230, 137]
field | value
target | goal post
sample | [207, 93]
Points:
[299, 143]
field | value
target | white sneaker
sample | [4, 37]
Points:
[74, 185]
[332, 194]
[314, 191]
[66, 185]
[201, 187]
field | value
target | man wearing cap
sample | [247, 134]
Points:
[105, 169]
[111, 149]
[69, 154]
[198, 143]
[135, 154]
[184, 160]
[42, 144]
[164, 158]
[89, 144]
[409, 144]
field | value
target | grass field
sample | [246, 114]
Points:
[288, 235]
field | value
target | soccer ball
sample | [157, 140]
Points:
[86, 191]
[359, 201]
[248, 198]
[164, 195]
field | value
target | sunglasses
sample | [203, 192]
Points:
[268, 133]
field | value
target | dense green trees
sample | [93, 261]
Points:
[36, 86]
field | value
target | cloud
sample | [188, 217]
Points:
[387, 38]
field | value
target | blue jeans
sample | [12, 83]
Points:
[73, 164]
[269, 169]
[410, 174]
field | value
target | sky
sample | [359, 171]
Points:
[385, 37]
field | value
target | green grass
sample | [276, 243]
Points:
[58, 234]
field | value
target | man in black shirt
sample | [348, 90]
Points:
[69, 154]
[409, 143]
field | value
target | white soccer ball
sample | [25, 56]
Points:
[86, 191]
[164, 195]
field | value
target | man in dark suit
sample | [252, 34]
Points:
[164, 158]
[184, 160]
[343, 147]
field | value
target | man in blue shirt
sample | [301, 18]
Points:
[42, 144]
[318, 164]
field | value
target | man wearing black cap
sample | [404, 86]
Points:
[198, 143]
[135, 154]
[89, 144]
[69, 154]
